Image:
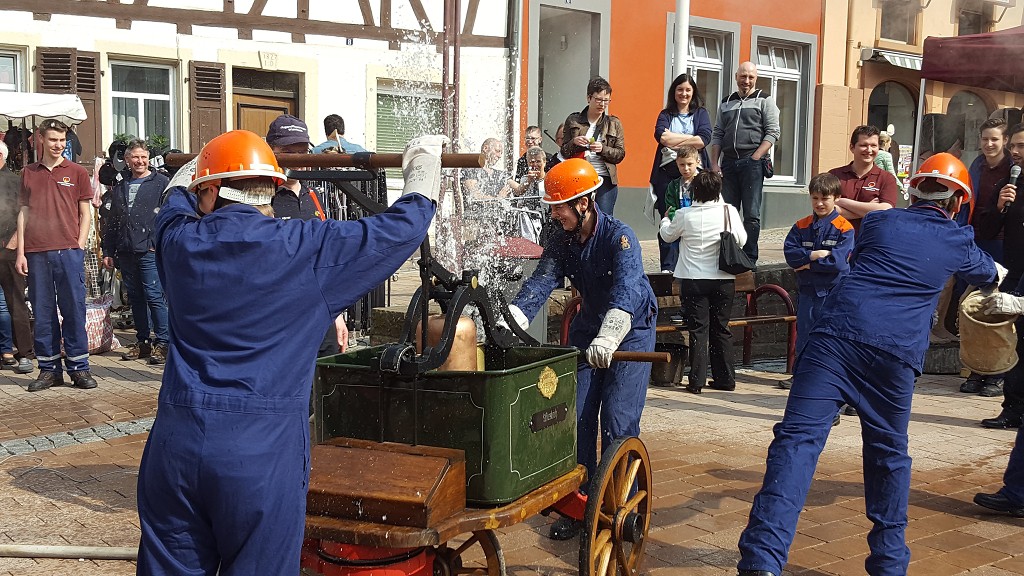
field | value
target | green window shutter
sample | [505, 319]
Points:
[401, 118]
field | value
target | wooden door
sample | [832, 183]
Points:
[255, 113]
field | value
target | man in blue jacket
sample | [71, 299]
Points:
[865, 350]
[223, 478]
[128, 243]
[601, 257]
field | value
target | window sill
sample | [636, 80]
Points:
[896, 46]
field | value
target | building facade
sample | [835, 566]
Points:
[183, 71]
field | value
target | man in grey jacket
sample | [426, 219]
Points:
[748, 126]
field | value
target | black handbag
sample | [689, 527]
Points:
[731, 257]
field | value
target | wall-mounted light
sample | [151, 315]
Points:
[563, 42]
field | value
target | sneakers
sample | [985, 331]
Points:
[82, 379]
[137, 351]
[46, 380]
[24, 366]
[159, 354]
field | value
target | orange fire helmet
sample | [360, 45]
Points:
[235, 154]
[570, 179]
[949, 170]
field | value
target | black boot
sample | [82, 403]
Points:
[565, 529]
[46, 380]
[973, 384]
[991, 387]
[1006, 419]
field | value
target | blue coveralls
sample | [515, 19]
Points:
[608, 272]
[865, 350]
[834, 233]
[223, 478]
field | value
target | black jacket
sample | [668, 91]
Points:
[131, 230]
[10, 189]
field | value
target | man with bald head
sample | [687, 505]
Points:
[748, 126]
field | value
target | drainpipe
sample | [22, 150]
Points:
[513, 51]
[917, 129]
[682, 36]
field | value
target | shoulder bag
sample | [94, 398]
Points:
[731, 257]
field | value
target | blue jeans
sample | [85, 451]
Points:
[606, 195]
[57, 278]
[831, 372]
[742, 183]
[146, 295]
[6, 334]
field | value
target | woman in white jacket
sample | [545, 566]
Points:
[707, 292]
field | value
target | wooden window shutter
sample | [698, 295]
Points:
[206, 101]
[87, 85]
[55, 70]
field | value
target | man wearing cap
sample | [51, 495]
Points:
[601, 257]
[867, 353]
[293, 199]
[289, 135]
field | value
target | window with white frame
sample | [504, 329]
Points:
[899, 20]
[142, 100]
[10, 71]
[779, 74]
[706, 62]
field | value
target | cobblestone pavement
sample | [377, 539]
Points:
[708, 458]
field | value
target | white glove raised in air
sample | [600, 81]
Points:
[614, 328]
[517, 315]
[421, 165]
[1003, 303]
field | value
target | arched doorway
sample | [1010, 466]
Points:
[891, 104]
[967, 111]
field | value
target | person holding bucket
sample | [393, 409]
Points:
[866, 352]
[1010, 498]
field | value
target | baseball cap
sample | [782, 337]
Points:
[286, 130]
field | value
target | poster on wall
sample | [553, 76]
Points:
[903, 164]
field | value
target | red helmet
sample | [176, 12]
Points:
[947, 169]
[570, 179]
[236, 154]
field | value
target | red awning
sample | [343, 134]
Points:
[990, 61]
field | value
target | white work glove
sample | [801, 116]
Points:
[421, 165]
[1000, 275]
[614, 328]
[1003, 303]
[517, 315]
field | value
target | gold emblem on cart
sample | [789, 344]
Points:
[548, 382]
[624, 242]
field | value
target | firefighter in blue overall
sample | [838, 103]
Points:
[865, 350]
[601, 257]
[223, 478]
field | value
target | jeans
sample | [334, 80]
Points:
[669, 252]
[146, 295]
[57, 278]
[606, 195]
[14, 285]
[707, 306]
[6, 337]
[742, 183]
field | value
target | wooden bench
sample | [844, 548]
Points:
[751, 317]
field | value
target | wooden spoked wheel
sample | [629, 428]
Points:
[452, 561]
[618, 511]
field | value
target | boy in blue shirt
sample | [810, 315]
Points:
[678, 194]
[818, 248]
